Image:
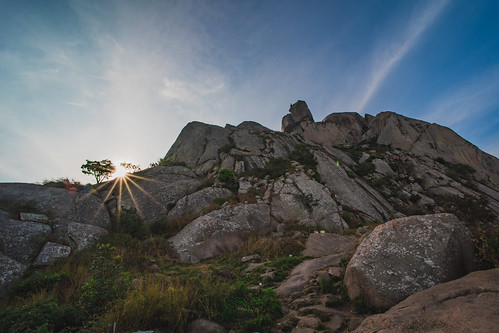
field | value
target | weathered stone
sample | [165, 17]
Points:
[50, 253]
[348, 191]
[84, 235]
[302, 330]
[468, 304]
[20, 240]
[407, 255]
[204, 326]
[251, 258]
[40, 218]
[220, 231]
[382, 167]
[300, 198]
[323, 244]
[61, 205]
[301, 275]
[337, 272]
[197, 144]
[194, 204]
[310, 322]
[11, 271]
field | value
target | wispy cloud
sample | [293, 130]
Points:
[388, 56]
[467, 101]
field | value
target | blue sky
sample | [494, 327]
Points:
[120, 79]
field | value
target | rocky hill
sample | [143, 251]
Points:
[365, 211]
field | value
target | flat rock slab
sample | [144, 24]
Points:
[50, 253]
[323, 244]
[469, 304]
[302, 274]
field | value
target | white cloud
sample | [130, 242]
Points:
[386, 57]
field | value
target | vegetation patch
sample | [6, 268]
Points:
[365, 168]
[305, 157]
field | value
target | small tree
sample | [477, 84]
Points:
[130, 167]
[99, 169]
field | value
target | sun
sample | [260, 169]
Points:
[120, 171]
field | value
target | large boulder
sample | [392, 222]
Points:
[22, 240]
[468, 304]
[220, 231]
[300, 198]
[61, 205]
[84, 235]
[407, 255]
[198, 146]
[193, 204]
[50, 253]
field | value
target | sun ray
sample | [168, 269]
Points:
[125, 180]
[145, 192]
[103, 203]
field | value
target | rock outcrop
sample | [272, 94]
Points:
[407, 255]
[393, 130]
[468, 304]
[220, 231]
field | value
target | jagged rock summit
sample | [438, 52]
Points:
[389, 129]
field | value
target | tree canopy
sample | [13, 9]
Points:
[99, 169]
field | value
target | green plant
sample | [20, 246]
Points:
[305, 157]
[307, 200]
[415, 198]
[129, 222]
[365, 168]
[42, 316]
[39, 281]
[101, 170]
[167, 162]
[278, 167]
[65, 183]
[227, 147]
[109, 280]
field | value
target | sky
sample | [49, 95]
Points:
[120, 79]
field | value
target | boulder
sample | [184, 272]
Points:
[407, 255]
[194, 204]
[220, 231]
[61, 205]
[11, 271]
[302, 274]
[50, 253]
[204, 326]
[84, 235]
[198, 146]
[323, 244]
[300, 198]
[22, 240]
[468, 304]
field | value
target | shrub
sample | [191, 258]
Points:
[304, 156]
[65, 183]
[39, 281]
[129, 222]
[365, 168]
[109, 280]
[42, 316]
[160, 302]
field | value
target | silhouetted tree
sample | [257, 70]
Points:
[99, 169]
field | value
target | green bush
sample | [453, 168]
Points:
[365, 168]
[129, 222]
[109, 280]
[39, 281]
[43, 316]
[304, 156]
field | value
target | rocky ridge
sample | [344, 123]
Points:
[332, 184]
